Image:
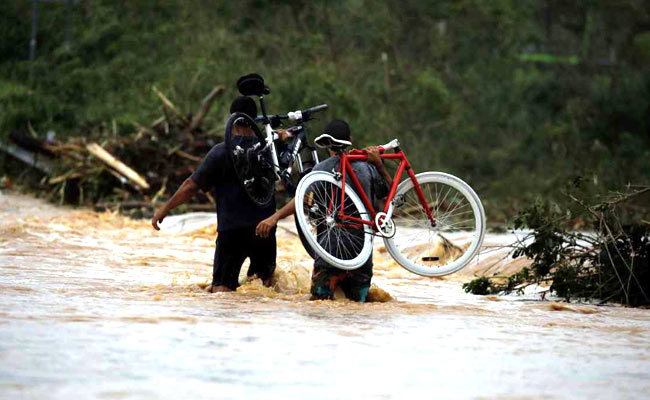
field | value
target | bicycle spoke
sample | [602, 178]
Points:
[429, 247]
[451, 212]
[321, 206]
[448, 216]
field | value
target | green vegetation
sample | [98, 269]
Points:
[611, 262]
[512, 96]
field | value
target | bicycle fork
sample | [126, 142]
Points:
[274, 155]
[423, 200]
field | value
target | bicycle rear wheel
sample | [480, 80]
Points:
[251, 161]
[342, 244]
[448, 245]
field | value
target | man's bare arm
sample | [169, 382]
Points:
[381, 168]
[374, 159]
[183, 195]
[264, 228]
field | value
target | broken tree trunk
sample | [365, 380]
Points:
[119, 166]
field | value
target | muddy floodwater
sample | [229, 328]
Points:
[96, 305]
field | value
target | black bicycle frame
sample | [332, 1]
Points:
[297, 146]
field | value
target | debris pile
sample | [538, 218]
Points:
[125, 172]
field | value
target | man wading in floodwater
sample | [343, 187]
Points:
[373, 176]
[236, 212]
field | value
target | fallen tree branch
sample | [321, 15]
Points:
[157, 122]
[64, 177]
[627, 196]
[205, 108]
[171, 105]
[187, 156]
[123, 169]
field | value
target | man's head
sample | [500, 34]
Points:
[244, 104]
[336, 136]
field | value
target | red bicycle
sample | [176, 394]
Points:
[432, 223]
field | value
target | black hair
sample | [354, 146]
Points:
[338, 129]
[244, 105]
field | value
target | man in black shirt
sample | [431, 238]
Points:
[237, 214]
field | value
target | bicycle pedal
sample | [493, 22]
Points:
[434, 258]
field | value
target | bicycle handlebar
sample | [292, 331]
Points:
[393, 144]
[295, 115]
[315, 109]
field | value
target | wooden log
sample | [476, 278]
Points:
[119, 166]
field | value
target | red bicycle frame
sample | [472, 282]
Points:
[345, 169]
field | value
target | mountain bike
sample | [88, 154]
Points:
[432, 223]
[259, 165]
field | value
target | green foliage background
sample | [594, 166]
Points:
[512, 96]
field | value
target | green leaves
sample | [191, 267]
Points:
[479, 286]
[609, 263]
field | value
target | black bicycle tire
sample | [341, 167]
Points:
[256, 130]
[229, 149]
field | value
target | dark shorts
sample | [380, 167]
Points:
[355, 283]
[233, 247]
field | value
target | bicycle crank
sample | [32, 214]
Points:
[385, 225]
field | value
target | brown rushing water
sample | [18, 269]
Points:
[95, 305]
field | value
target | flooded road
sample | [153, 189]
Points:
[95, 305]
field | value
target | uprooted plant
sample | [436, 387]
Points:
[597, 252]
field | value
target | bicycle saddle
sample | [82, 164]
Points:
[330, 142]
[252, 85]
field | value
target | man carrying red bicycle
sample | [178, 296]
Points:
[375, 180]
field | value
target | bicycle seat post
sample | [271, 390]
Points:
[263, 107]
[269, 139]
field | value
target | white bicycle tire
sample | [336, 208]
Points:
[366, 251]
[479, 213]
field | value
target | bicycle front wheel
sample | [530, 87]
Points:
[448, 244]
[340, 242]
